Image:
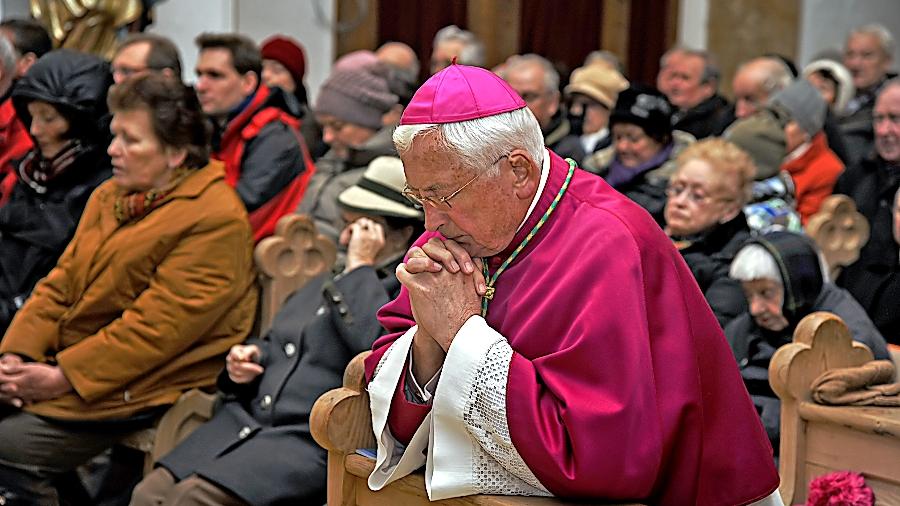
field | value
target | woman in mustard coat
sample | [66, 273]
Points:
[152, 291]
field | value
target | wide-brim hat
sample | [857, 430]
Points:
[380, 191]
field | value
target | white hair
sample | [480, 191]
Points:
[473, 49]
[754, 262]
[479, 143]
[880, 32]
[551, 76]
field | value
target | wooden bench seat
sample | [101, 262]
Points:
[817, 439]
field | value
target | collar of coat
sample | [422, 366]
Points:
[192, 186]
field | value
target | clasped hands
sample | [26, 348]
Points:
[445, 287]
[24, 383]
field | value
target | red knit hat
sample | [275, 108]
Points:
[287, 52]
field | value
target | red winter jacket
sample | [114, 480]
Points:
[15, 143]
[814, 174]
[266, 160]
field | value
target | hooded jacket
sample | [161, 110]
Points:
[805, 291]
[39, 219]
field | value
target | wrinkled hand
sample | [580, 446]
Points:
[9, 362]
[24, 383]
[441, 301]
[364, 239]
[241, 363]
[437, 254]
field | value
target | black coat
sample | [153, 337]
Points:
[872, 279]
[37, 223]
[754, 346]
[258, 444]
[708, 119]
[709, 258]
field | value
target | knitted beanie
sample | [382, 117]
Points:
[356, 94]
[287, 52]
[647, 108]
[804, 104]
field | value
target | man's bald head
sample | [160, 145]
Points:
[756, 81]
[399, 56]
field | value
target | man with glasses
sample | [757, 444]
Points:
[145, 52]
[549, 339]
[350, 108]
[872, 185]
[536, 80]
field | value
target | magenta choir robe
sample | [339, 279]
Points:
[621, 385]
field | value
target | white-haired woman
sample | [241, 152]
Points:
[783, 280]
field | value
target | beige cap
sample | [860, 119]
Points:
[598, 82]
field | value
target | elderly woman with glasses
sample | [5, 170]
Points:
[711, 184]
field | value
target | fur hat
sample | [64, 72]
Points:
[845, 90]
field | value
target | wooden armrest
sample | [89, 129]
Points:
[340, 420]
[191, 410]
[839, 230]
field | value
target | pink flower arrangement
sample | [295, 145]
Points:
[842, 488]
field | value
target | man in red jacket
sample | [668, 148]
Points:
[255, 130]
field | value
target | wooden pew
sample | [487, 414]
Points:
[818, 439]
[285, 261]
[341, 422]
[839, 230]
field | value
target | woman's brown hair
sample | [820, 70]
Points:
[175, 113]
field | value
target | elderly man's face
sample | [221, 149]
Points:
[130, 61]
[700, 198]
[766, 297]
[749, 95]
[484, 215]
[865, 59]
[886, 122]
[528, 81]
[680, 80]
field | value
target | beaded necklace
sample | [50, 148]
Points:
[492, 280]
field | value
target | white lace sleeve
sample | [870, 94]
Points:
[471, 451]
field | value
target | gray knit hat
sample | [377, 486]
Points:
[803, 104]
[357, 94]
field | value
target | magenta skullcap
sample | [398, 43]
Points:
[460, 93]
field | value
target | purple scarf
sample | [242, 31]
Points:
[620, 175]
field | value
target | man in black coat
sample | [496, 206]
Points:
[872, 185]
[690, 80]
[257, 449]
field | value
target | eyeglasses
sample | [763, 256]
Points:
[443, 203]
[893, 119]
[694, 195]
[127, 72]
